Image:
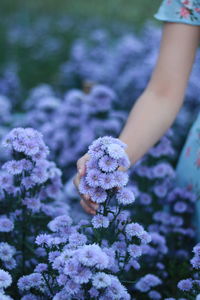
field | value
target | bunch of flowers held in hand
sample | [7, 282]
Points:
[103, 176]
[93, 260]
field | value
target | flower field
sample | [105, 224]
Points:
[142, 243]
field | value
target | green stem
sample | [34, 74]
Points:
[23, 239]
[47, 283]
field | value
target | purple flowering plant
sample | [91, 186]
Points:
[168, 212]
[77, 116]
[30, 195]
[93, 259]
[190, 287]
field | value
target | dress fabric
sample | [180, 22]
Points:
[188, 166]
[179, 11]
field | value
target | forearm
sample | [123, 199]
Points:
[156, 109]
[149, 119]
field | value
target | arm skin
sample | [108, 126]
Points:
[157, 107]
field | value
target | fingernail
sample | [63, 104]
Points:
[80, 170]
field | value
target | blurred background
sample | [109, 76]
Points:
[28, 27]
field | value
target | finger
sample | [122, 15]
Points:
[87, 208]
[90, 203]
[81, 164]
[123, 169]
[76, 180]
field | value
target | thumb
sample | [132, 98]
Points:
[81, 164]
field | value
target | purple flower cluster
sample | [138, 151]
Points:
[27, 141]
[7, 253]
[31, 168]
[76, 264]
[5, 281]
[107, 155]
[30, 196]
[195, 261]
[192, 284]
[147, 282]
[78, 116]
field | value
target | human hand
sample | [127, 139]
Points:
[88, 205]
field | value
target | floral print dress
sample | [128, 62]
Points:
[180, 11]
[188, 167]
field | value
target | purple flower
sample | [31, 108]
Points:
[71, 267]
[160, 190]
[6, 251]
[6, 180]
[116, 289]
[196, 249]
[28, 141]
[135, 250]
[92, 163]
[154, 295]
[27, 282]
[40, 268]
[60, 223]
[33, 204]
[100, 221]
[43, 239]
[10, 264]
[26, 164]
[77, 239]
[106, 181]
[147, 282]
[134, 229]
[116, 151]
[5, 279]
[195, 261]
[185, 285]
[125, 196]
[6, 225]
[95, 149]
[84, 188]
[101, 280]
[108, 164]
[13, 167]
[98, 195]
[39, 175]
[71, 287]
[180, 207]
[145, 237]
[163, 169]
[101, 98]
[145, 199]
[94, 293]
[53, 255]
[120, 179]
[83, 275]
[92, 178]
[28, 182]
[92, 255]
